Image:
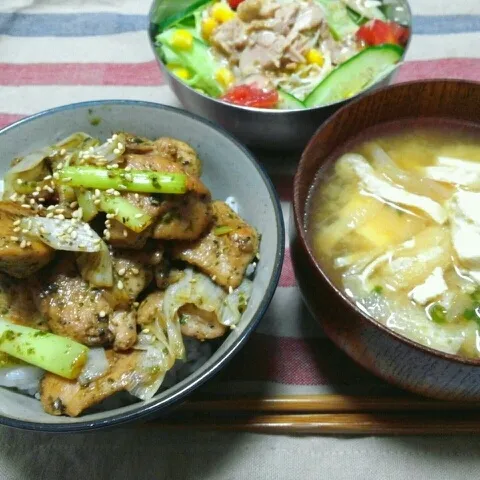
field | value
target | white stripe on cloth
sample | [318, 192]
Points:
[33, 99]
[138, 7]
[427, 47]
[132, 47]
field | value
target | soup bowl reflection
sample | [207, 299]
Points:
[385, 353]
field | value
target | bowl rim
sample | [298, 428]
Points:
[144, 411]
[300, 228]
[338, 103]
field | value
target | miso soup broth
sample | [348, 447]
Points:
[395, 223]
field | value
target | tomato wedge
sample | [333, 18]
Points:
[251, 96]
[378, 32]
[234, 3]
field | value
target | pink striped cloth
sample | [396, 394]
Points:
[53, 53]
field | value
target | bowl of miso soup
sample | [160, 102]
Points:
[385, 234]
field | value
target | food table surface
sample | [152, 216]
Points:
[54, 52]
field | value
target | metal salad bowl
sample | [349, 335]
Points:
[263, 128]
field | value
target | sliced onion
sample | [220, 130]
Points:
[70, 235]
[97, 366]
[235, 304]
[97, 267]
[23, 377]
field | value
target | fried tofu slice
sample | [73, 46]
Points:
[225, 251]
[20, 256]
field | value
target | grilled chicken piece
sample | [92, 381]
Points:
[73, 309]
[186, 218]
[123, 237]
[150, 309]
[223, 255]
[181, 153]
[60, 396]
[17, 261]
[181, 217]
[199, 323]
[130, 277]
[17, 304]
[123, 325]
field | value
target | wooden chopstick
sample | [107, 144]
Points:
[344, 423]
[323, 404]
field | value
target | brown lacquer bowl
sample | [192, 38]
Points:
[387, 354]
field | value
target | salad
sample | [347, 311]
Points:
[281, 54]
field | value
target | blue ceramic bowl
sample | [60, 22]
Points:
[228, 169]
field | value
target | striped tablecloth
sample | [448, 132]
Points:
[54, 52]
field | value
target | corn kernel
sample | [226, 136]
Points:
[182, 39]
[181, 73]
[224, 77]
[222, 13]
[314, 56]
[208, 26]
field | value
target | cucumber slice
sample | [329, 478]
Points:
[367, 12]
[198, 60]
[339, 21]
[355, 75]
[288, 102]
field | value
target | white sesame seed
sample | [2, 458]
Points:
[60, 217]
[60, 165]
[43, 230]
[97, 202]
[35, 194]
[138, 215]
[59, 210]
[110, 191]
[48, 177]
[116, 151]
[97, 192]
[50, 215]
[32, 201]
[67, 179]
[121, 146]
[24, 230]
[120, 285]
[23, 244]
[74, 234]
[125, 233]
[110, 215]
[63, 152]
[214, 278]
[25, 205]
[116, 193]
[29, 244]
[13, 197]
[13, 238]
[16, 229]
[107, 235]
[56, 176]
[136, 304]
[38, 189]
[121, 272]
[16, 222]
[128, 168]
[48, 189]
[74, 205]
[137, 196]
[102, 313]
[19, 181]
[122, 186]
[230, 289]
[135, 271]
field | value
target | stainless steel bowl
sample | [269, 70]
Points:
[260, 128]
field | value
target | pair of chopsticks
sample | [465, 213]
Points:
[328, 414]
